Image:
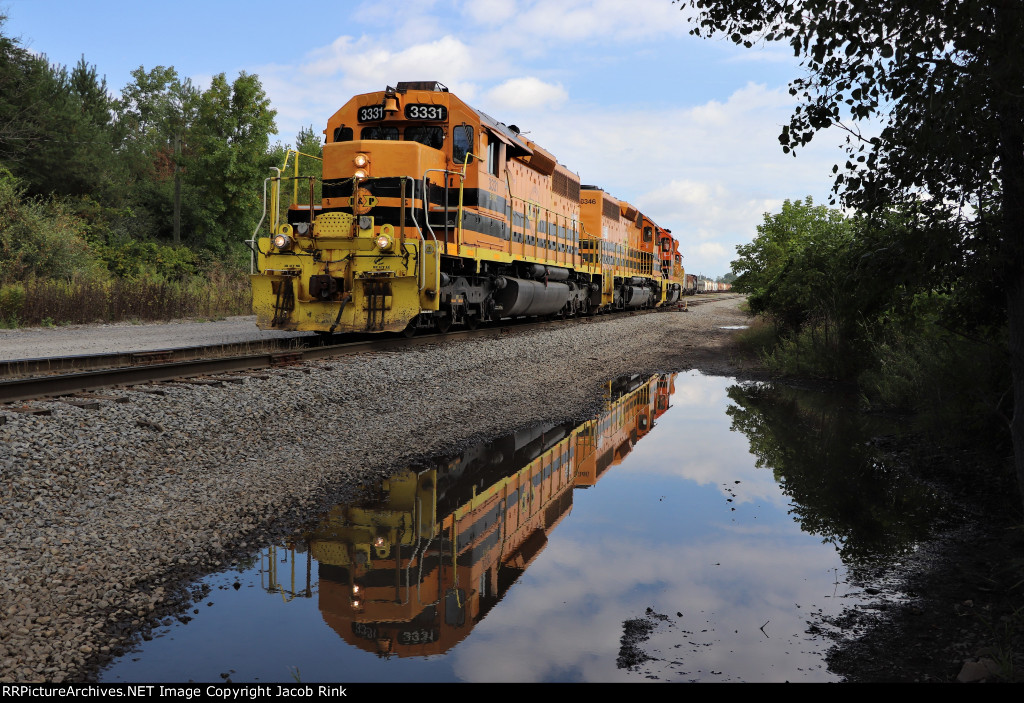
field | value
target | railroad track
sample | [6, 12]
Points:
[33, 379]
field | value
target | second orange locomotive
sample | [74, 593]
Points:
[433, 214]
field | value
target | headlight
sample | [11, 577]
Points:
[383, 242]
[360, 173]
[360, 160]
[283, 242]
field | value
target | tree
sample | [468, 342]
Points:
[228, 158]
[25, 80]
[56, 130]
[794, 269]
[156, 110]
[944, 81]
[201, 152]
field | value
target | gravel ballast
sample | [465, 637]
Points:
[105, 514]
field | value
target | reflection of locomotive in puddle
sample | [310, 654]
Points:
[634, 403]
[411, 571]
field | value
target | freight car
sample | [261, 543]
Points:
[433, 214]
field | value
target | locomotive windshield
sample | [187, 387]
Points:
[430, 136]
[384, 133]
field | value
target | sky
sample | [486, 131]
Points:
[684, 128]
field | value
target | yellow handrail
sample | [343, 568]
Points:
[295, 171]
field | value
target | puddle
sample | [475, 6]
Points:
[695, 530]
[734, 327]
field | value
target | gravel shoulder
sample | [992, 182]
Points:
[66, 340]
[107, 514]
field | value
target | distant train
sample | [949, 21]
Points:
[435, 214]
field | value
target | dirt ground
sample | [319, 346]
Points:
[953, 611]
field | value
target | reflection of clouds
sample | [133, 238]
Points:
[693, 441]
[566, 614]
[564, 619]
[701, 395]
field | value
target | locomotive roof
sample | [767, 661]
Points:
[433, 86]
[511, 137]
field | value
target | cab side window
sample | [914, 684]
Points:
[493, 156]
[462, 142]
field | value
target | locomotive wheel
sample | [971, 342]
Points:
[472, 321]
[443, 323]
[410, 330]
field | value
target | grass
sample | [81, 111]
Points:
[758, 339]
[49, 303]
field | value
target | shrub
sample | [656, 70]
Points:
[12, 300]
[41, 238]
[954, 385]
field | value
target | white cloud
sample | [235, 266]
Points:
[372, 62]
[525, 93]
[490, 12]
[587, 20]
[711, 250]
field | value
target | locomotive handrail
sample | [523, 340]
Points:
[426, 204]
[295, 170]
[253, 268]
[462, 184]
[419, 231]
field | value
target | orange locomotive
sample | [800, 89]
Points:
[435, 214]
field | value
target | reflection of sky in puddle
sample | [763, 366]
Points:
[734, 327]
[657, 532]
[668, 529]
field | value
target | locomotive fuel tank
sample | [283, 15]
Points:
[520, 297]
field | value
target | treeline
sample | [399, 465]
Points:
[160, 185]
[905, 308]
